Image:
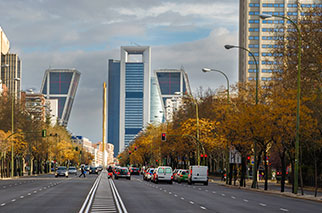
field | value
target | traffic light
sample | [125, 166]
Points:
[135, 148]
[43, 133]
[248, 159]
[201, 155]
[130, 152]
[163, 137]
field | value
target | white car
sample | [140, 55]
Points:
[162, 173]
[198, 174]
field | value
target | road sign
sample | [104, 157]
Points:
[234, 156]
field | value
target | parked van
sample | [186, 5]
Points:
[198, 174]
[162, 173]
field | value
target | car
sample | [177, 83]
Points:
[198, 174]
[72, 170]
[163, 173]
[93, 170]
[61, 171]
[134, 171]
[148, 174]
[182, 175]
[175, 173]
[122, 172]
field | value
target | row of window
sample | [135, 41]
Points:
[288, 5]
[265, 46]
[304, 14]
[263, 78]
[264, 70]
[272, 37]
[265, 62]
[272, 54]
[269, 13]
[256, 21]
[271, 30]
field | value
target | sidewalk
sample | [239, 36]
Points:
[274, 188]
[25, 176]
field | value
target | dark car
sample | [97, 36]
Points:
[93, 170]
[135, 171]
[61, 171]
[122, 172]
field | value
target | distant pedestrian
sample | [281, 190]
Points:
[83, 172]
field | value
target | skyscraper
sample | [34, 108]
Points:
[61, 84]
[172, 84]
[128, 95]
[261, 36]
[11, 73]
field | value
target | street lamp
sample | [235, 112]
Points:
[297, 137]
[254, 184]
[227, 149]
[12, 123]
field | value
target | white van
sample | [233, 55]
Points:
[198, 174]
[163, 173]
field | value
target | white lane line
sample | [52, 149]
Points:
[10, 185]
[13, 200]
[29, 193]
[40, 189]
[245, 200]
[35, 191]
[233, 197]
[206, 190]
[284, 210]
[45, 187]
[165, 190]
[182, 198]
[262, 204]
[22, 196]
[203, 207]
[199, 188]
[15, 184]
[214, 192]
[170, 193]
[223, 195]
[191, 202]
[176, 195]
[4, 187]
[3, 204]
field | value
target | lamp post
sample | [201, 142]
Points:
[12, 123]
[227, 148]
[297, 136]
[254, 184]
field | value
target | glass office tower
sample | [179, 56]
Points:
[134, 95]
[61, 84]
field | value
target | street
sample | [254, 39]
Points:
[44, 193]
[142, 196]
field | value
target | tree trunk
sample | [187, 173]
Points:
[266, 170]
[243, 172]
[231, 166]
[282, 156]
[301, 176]
[315, 175]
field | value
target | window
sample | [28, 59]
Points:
[253, 21]
[253, 46]
[253, 29]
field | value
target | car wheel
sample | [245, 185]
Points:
[116, 178]
[205, 183]
[179, 181]
[129, 178]
[189, 182]
[56, 176]
[171, 182]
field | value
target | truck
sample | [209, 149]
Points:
[198, 174]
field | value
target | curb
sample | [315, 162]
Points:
[284, 194]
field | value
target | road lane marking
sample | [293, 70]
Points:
[170, 193]
[199, 188]
[214, 192]
[245, 200]
[4, 187]
[284, 210]
[176, 195]
[165, 190]
[35, 191]
[191, 202]
[22, 196]
[223, 195]
[29, 193]
[262, 204]
[233, 197]
[13, 200]
[203, 207]
[3, 204]
[182, 198]
[206, 190]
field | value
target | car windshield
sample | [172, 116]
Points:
[165, 170]
[61, 168]
[72, 168]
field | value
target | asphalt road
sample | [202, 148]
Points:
[44, 193]
[142, 196]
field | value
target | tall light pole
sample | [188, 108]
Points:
[227, 148]
[12, 123]
[297, 136]
[254, 184]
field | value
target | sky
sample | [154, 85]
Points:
[84, 34]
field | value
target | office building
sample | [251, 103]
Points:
[61, 84]
[4, 49]
[35, 105]
[157, 114]
[128, 95]
[52, 110]
[261, 36]
[172, 85]
[11, 73]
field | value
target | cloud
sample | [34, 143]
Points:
[84, 34]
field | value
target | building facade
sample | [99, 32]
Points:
[35, 105]
[157, 114]
[131, 93]
[4, 49]
[262, 36]
[11, 73]
[52, 110]
[61, 84]
[172, 85]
